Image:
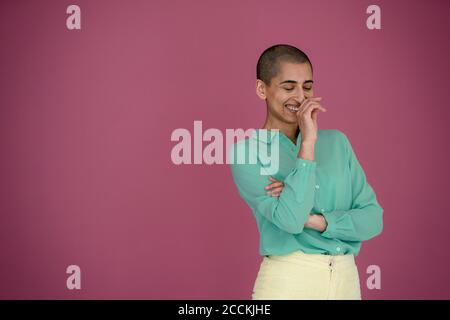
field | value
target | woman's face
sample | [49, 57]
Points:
[287, 90]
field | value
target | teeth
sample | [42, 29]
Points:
[292, 108]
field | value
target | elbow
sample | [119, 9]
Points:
[292, 221]
[378, 224]
[379, 228]
[293, 229]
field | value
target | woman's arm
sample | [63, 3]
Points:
[364, 220]
[290, 210]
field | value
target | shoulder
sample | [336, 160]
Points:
[336, 135]
[336, 138]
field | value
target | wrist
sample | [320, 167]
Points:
[318, 222]
[306, 150]
[308, 143]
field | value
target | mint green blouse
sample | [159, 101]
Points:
[334, 185]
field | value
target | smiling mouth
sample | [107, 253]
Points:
[293, 108]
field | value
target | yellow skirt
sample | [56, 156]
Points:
[301, 276]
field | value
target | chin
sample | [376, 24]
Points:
[289, 117]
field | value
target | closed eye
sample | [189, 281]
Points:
[290, 89]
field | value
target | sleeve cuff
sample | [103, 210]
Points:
[330, 231]
[305, 164]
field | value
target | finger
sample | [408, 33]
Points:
[302, 108]
[274, 185]
[274, 191]
[312, 99]
[304, 103]
[321, 108]
[276, 195]
[314, 115]
[277, 190]
[311, 102]
[317, 102]
[313, 106]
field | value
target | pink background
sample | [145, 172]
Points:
[86, 118]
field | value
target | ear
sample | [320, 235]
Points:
[261, 89]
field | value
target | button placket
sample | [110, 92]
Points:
[317, 196]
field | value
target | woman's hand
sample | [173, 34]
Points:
[307, 118]
[316, 222]
[274, 188]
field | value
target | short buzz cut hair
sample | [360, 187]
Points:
[269, 61]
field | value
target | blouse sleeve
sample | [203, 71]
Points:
[364, 220]
[291, 209]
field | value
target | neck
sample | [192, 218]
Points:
[289, 130]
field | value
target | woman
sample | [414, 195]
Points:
[315, 211]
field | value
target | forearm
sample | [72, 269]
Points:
[306, 150]
[363, 219]
[354, 225]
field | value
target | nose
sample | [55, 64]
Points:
[299, 95]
